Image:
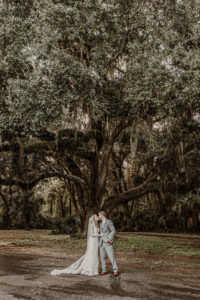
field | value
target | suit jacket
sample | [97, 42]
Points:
[108, 229]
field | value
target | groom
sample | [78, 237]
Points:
[105, 243]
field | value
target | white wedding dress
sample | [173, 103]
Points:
[88, 264]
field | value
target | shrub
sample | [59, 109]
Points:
[68, 225]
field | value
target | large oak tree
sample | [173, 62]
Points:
[89, 85]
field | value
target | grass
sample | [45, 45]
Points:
[155, 244]
[146, 249]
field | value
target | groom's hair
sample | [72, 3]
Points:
[102, 212]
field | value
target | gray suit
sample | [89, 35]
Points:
[108, 229]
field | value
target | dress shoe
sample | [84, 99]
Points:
[103, 273]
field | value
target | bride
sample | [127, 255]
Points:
[89, 262]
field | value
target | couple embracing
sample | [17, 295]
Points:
[98, 236]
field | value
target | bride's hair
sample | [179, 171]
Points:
[96, 222]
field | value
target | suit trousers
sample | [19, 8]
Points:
[107, 249]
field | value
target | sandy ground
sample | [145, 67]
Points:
[24, 275]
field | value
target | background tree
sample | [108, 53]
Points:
[87, 87]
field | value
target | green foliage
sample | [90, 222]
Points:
[70, 133]
[68, 225]
[177, 216]
[65, 53]
[182, 215]
[190, 201]
[39, 147]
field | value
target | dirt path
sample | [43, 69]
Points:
[27, 276]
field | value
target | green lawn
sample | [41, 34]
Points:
[188, 245]
[148, 249]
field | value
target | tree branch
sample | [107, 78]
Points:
[113, 201]
[125, 41]
[29, 185]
